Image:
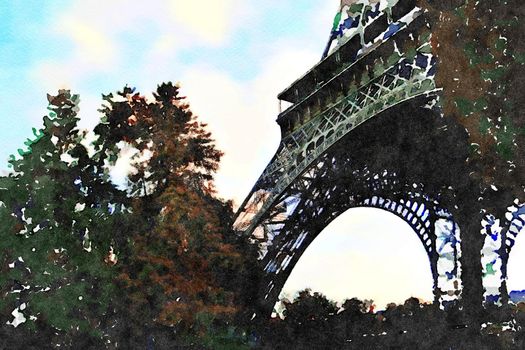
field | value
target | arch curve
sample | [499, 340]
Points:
[296, 227]
[409, 168]
[366, 252]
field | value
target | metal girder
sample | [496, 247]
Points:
[312, 178]
[328, 197]
[303, 146]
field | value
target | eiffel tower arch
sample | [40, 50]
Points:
[362, 130]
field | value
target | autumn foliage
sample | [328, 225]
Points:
[133, 262]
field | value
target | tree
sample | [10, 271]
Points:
[480, 53]
[53, 242]
[181, 267]
[308, 321]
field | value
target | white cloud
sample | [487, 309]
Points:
[98, 28]
[241, 115]
[164, 45]
[127, 42]
[236, 122]
[209, 20]
[93, 46]
[51, 76]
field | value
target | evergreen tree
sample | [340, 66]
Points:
[53, 242]
[182, 268]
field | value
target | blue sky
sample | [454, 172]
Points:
[232, 58]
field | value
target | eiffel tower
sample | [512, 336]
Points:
[362, 129]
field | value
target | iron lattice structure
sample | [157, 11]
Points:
[363, 130]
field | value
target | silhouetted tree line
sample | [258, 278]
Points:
[312, 321]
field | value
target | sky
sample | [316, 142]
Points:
[232, 58]
[360, 256]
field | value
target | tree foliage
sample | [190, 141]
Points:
[480, 50]
[85, 261]
[53, 246]
[312, 321]
[184, 259]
